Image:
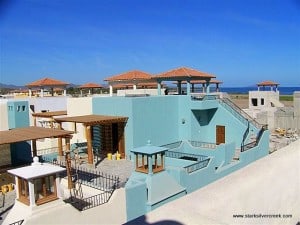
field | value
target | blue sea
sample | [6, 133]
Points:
[245, 90]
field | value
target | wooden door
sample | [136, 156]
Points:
[220, 134]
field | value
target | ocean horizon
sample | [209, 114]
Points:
[245, 90]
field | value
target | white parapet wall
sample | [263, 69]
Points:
[139, 92]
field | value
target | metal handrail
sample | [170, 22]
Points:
[19, 222]
[200, 144]
[92, 201]
[243, 116]
[179, 155]
[197, 166]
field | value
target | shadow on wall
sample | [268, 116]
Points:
[142, 221]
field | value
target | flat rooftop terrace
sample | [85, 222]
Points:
[269, 186]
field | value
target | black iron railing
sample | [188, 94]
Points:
[187, 156]
[238, 112]
[91, 202]
[200, 144]
[17, 222]
[201, 161]
[203, 97]
[197, 166]
[256, 142]
[89, 177]
[172, 145]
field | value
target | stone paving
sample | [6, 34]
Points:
[7, 200]
[121, 168]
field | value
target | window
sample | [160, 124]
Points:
[10, 108]
[18, 108]
[45, 189]
[23, 108]
[23, 191]
[141, 163]
[254, 101]
[262, 101]
[158, 163]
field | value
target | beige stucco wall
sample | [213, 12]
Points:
[3, 115]
[78, 107]
[268, 96]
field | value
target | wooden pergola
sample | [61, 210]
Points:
[106, 122]
[50, 115]
[34, 133]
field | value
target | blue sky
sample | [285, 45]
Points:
[80, 41]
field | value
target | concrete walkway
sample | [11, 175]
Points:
[263, 192]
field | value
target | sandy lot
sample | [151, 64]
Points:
[243, 101]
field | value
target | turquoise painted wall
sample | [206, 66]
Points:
[116, 106]
[150, 118]
[18, 114]
[167, 119]
[136, 198]
[155, 119]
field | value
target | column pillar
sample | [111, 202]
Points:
[34, 152]
[158, 87]
[188, 87]
[110, 90]
[42, 92]
[59, 140]
[65, 92]
[179, 87]
[207, 87]
[31, 193]
[30, 92]
[150, 170]
[88, 132]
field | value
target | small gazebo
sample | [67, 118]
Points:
[268, 83]
[90, 87]
[203, 83]
[183, 74]
[133, 77]
[47, 83]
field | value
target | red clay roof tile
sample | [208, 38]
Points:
[130, 76]
[91, 85]
[267, 83]
[184, 72]
[47, 82]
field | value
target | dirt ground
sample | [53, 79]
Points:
[243, 101]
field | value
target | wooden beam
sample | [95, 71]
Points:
[88, 132]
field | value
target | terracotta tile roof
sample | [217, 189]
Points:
[139, 85]
[30, 133]
[47, 82]
[91, 85]
[267, 83]
[130, 76]
[183, 73]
